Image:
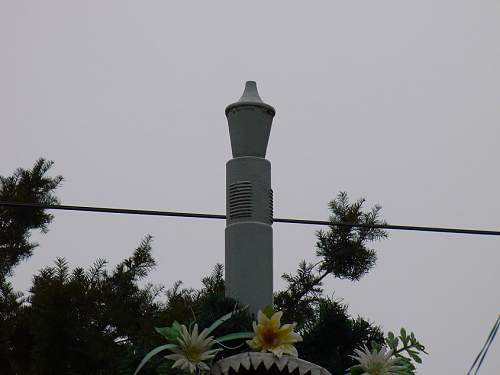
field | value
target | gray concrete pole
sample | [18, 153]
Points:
[249, 202]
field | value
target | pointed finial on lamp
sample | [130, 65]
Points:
[251, 94]
[252, 98]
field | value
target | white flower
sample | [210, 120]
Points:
[193, 350]
[376, 362]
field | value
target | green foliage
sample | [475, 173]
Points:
[356, 371]
[206, 305]
[268, 311]
[103, 321]
[299, 300]
[152, 353]
[404, 357]
[343, 249]
[332, 335]
[343, 253]
[170, 333]
[30, 186]
[173, 333]
[92, 319]
[407, 348]
[14, 323]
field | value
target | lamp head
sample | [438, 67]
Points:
[250, 121]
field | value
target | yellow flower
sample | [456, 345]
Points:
[270, 336]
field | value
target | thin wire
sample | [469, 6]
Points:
[111, 210]
[485, 347]
[215, 216]
[223, 217]
[394, 227]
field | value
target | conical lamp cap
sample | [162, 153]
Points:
[249, 121]
[251, 97]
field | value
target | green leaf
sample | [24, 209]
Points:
[392, 341]
[170, 333]
[407, 365]
[163, 331]
[268, 311]
[176, 326]
[356, 370]
[235, 336]
[414, 355]
[396, 342]
[152, 353]
[219, 321]
[375, 345]
[402, 332]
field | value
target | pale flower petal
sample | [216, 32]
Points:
[203, 366]
[376, 362]
[276, 319]
[290, 349]
[261, 317]
[194, 334]
[179, 363]
[204, 334]
[174, 357]
[193, 350]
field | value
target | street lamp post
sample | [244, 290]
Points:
[249, 202]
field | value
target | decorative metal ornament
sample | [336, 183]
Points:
[256, 363]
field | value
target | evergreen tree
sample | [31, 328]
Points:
[31, 186]
[330, 334]
[16, 224]
[102, 321]
[91, 319]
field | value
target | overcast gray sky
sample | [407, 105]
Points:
[396, 101]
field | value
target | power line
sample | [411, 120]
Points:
[485, 348]
[223, 217]
[394, 227]
[111, 210]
